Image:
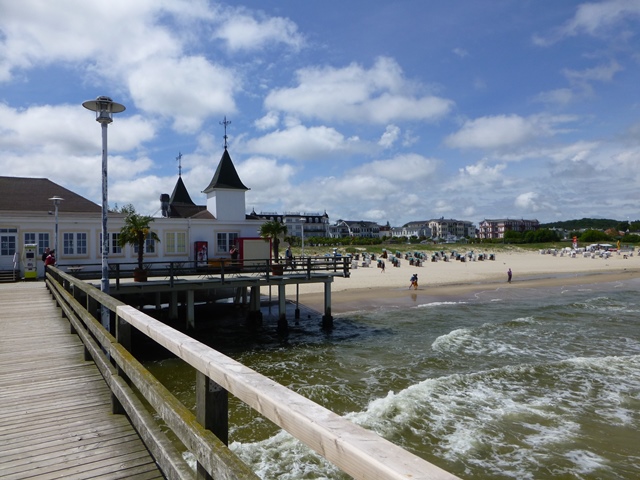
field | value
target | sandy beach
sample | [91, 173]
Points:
[369, 287]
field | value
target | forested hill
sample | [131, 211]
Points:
[584, 223]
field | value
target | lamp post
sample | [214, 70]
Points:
[56, 202]
[104, 108]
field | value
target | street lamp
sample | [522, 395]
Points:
[104, 108]
[56, 202]
[302, 220]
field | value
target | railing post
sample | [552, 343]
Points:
[308, 268]
[123, 333]
[212, 412]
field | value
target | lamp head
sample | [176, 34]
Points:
[56, 200]
[104, 108]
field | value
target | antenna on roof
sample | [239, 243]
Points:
[179, 159]
[225, 123]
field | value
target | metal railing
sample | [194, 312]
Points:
[357, 451]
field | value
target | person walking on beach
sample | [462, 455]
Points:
[414, 281]
[509, 275]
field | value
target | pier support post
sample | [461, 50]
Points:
[255, 315]
[282, 308]
[191, 316]
[158, 301]
[212, 412]
[327, 319]
[173, 305]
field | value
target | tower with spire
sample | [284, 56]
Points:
[226, 192]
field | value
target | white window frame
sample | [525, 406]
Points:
[77, 239]
[224, 241]
[175, 243]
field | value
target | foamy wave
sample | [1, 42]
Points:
[438, 304]
[285, 458]
[503, 419]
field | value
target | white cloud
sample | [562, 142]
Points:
[492, 132]
[504, 131]
[480, 176]
[389, 137]
[354, 94]
[189, 90]
[68, 129]
[594, 19]
[302, 143]
[242, 31]
[268, 122]
[533, 202]
[112, 34]
[409, 167]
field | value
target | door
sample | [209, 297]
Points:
[8, 243]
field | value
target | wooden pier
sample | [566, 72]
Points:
[55, 407]
[64, 416]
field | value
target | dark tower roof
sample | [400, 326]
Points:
[180, 203]
[180, 194]
[225, 176]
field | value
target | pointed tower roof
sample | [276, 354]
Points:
[225, 176]
[180, 194]
[180, 203]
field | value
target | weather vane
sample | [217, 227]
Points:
[179, 159]
[225, 123]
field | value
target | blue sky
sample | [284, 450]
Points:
[368, 110]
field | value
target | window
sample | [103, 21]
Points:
[8, 239]
[226, 241]
[175, 243]
[114, 247]
[74, 243]
[40, 239]
[149, 245]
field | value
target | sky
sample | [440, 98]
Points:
[366, 110]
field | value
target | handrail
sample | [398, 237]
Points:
[357, 451]
[175, 268]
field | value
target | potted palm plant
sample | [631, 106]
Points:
[273, 230]
[135, 231]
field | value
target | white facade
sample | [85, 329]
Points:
[226, 204]
[79, 238]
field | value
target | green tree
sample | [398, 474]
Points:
[543, 235]
[591, 236]
[511, 236]
[273, 230]
[135, 231]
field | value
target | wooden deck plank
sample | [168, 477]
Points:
[55, 408]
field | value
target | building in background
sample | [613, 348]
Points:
[355, 228]
[451, 230]
[417, 229]
[25, 218]
[299, 223]
[496, 228]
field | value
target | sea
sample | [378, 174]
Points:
[504, 383]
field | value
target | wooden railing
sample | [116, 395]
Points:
[355, 450]
[173, 269]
